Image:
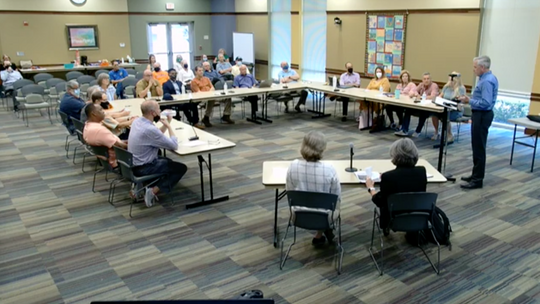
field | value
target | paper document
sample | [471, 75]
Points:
[375, 176]
[446, 103]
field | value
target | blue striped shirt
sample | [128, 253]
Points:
[145, 139]
[485, 92]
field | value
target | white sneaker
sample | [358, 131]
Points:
[149, 197]
[435, 137]
[415, 134]
[401, 133]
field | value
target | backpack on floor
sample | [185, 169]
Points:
[441, 230]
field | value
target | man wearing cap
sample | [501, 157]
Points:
[236, 68]
[174, 87]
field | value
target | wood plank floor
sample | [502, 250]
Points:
[61, 243]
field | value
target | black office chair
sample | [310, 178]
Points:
[409, 212]
[125, 162]
[71, 132]
[102, 156]
[313, 219]
[79, 128]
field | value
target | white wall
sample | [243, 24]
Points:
[360, 5]
[64, 5]
[249, 6]
[510, 33]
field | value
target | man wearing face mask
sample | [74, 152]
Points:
[288, 75]
[204, 59]
[348, 79]
[236, 68]
[71, 103]
[178, 62]
[185, 74]
[174, 87]
[145, 140]
[159, 75]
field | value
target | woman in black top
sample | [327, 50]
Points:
[406, 177]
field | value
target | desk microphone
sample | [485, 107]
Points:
[351, 168]
[194, 132]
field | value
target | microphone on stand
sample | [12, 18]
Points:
[351, 168]
[194, 132]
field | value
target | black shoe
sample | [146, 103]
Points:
[330, 236]
[344, 119]
[472, 185]
[206, 122]
[297, 108]
[318, 241]
[467, 179]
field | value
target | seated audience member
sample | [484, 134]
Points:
[6, 60]
[148, 84]
[151, 62]
[96, 134]
[89, 93]
[236, 68]
[225, 56]
[173, 87]
[204, 59]
[431, 90]
[405, 86]
[376, 83]
[118, 122]
[9, 76]
[224, 68]
[178, 63]
[349, 79]
[245, 80]
[288, 75]
[185, 74]
[452, 90]
[310, 174]
[116, 76]
[160, 75]
[213, 75]
[406, 177]
[71, 103]
[105, 86]
[202, 84]
[145, 140]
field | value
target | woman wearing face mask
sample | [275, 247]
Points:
[405, 86]
[204, 59]
[452, 90]
[178, 63]
[378, 82]
[151, 60]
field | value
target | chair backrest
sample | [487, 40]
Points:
[219, 85]
[73, 75]
[229, 84]
[467, 111]
[411, 211]
[131, 71]
[42, 77]
[130, 81]
[60, 87]
[79, 125]
[21, 83]
[139, 75]
[93, 82]
[53, 82]
[124, 159]
[85, 79]
[65, 119]
[34, 99]
[101, 72]
[129, 91]
[102, 154]
[32, 89]
[312, 220]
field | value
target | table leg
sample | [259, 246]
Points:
[212, 200]
[264, 112]
[318, 108]
[534, 150]
[278, 197]
[443, 136]
[513, 144]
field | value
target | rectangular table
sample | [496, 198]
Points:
[275, 175]
[525, 122]
[60, 68]
[207, 143]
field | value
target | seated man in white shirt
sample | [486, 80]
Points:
[236, 68]
[9, 76]
[185, 74]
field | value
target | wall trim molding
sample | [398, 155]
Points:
[535, 97]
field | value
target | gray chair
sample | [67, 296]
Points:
[139, 75]
[85, 79]
[41, 78]
[466, 118]
[51, 84]
[101, 72]
[71, 133]
[79, 129]
[37, 102]
[125, 162]
[131, 72]
[17, 86]
[319, 216]
[409, 212]
[129, 85]
[73, 75]
[93, 82]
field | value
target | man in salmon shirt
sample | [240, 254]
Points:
[203, 84]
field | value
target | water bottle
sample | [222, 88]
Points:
[334, 82]
[398, 93]
[122, 60]
[225, 87]
[424, 96]
[380, 89]
[149, 94]
[183, 89]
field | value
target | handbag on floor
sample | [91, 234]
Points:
[364, 120]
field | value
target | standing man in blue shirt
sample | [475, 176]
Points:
[245, 80]
[288, 75]
[117, 75]
[482, 102]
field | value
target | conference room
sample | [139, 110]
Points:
[271, 151]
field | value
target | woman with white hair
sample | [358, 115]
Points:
[406, 177]
[452, 90]
[310, 174]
